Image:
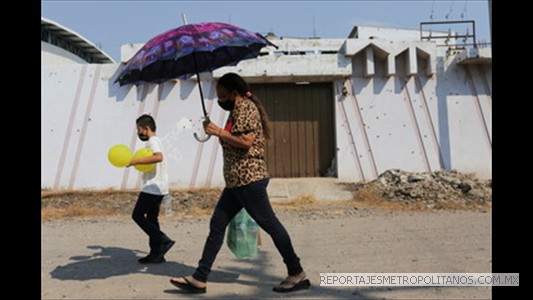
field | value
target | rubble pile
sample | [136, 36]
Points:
[436, 187]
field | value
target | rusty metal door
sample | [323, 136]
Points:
[302, 142]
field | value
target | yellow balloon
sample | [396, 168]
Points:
[144, 152]
[119, 155]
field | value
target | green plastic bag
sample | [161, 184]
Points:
[242, 235]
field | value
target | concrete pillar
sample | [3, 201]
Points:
[391, 64]
[369, 68]
[411, 68]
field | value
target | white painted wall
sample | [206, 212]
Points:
[84, 114]
[53, 55]
[439, 120]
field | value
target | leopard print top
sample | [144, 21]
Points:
[242, 166]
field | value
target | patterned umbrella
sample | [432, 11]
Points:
[190, 49]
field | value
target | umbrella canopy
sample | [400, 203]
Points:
[189, 50]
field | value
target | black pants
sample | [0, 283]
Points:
[254, 198]
[145, 214]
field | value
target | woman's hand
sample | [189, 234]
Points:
[211, 128]
[241, 141]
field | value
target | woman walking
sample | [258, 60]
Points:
[243, 145]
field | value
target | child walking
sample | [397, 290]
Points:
[153, 190]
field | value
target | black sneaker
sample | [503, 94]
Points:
[151, 259]
[165, 245]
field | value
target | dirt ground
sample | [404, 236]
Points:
[90, 246]
[394, 189]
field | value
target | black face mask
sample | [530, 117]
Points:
[143, 137]
[227, 105]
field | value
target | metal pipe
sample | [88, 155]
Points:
[480, 45]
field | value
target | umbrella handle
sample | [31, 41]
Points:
[206, 119]
[201, 140]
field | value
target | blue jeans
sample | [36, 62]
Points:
[254, 198]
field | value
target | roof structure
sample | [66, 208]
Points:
[60, 36]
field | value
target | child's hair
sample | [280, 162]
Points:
[146, 121]
[234, 82]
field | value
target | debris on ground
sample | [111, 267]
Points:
[57, 204]
[439, 189]
[394, 189]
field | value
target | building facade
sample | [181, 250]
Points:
[345, 108]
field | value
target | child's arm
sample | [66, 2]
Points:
[157, 157]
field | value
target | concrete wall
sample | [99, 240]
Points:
[84, 114]
[412, 127]
[408, 105]
[53, 55]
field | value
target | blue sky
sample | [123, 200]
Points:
[111, 24]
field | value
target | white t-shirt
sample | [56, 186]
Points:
[156, 181]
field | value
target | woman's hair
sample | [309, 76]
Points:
[234, 82]
[146, 121]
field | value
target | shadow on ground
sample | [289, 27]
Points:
[256, 272]
[116, 261]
